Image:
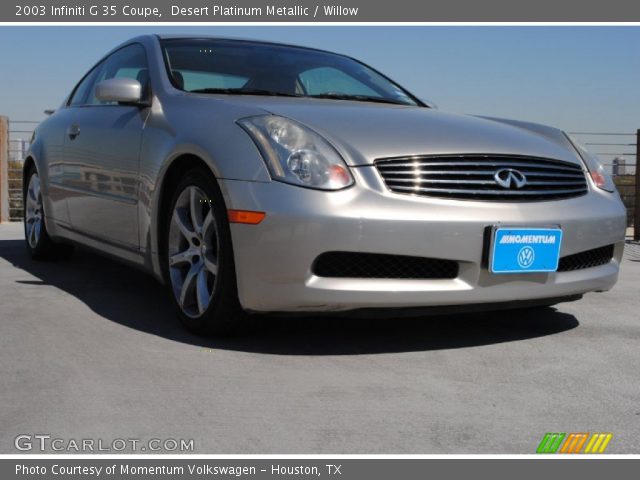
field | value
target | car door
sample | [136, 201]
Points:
[53, 146]
[102, 146]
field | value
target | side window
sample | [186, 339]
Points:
[128, 62]
[82, 89]
[318, 81]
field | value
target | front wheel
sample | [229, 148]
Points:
[198, 259]
[39, 244]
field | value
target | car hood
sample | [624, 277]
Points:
[364, 132]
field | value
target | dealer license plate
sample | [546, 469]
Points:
[525, 250]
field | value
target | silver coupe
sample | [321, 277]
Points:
[258, 177]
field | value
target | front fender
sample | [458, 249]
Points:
[216, 140]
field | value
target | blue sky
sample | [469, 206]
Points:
[576, 78]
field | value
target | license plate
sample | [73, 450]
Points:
[525, 250]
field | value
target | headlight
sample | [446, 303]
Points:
[296, 154]
[596, 170]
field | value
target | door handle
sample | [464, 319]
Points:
[73, 131]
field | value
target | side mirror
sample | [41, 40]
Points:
[120, 90]
[429, 103]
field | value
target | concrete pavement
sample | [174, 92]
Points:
[90, 349]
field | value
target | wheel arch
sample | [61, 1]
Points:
[167, 184]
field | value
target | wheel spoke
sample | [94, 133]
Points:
[30, 214]
[211, 264]
[180, 257]
[210, 237]
[33, 237]
[202, 291]
[195, 206]
[37, 228]
[182, 223]
[187, 286]
[29, 231]
[209, 222]
[34, 188]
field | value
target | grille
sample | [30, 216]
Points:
[375, 265]
[587, 259]
[472, 177]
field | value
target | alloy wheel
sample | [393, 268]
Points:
[33, 211]
[193, 251]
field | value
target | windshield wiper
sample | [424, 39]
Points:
[359, 98]
[242, 91]
[332, 96]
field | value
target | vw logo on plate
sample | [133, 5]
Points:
[526, 256]
[510, 178]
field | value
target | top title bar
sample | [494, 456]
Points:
[352, 11]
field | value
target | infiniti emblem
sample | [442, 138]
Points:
[510, 178]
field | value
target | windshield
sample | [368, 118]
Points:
[252, 68]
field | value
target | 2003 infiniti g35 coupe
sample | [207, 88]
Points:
[252, 176]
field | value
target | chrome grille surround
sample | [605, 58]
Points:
[472, 177]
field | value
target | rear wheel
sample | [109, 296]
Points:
[198, 258]
[39, 244]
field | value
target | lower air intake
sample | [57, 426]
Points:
[375, 265]
[586, 259]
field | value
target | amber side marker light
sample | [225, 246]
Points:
[245, 216]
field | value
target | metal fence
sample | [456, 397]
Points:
[19, 135]
[619, 152]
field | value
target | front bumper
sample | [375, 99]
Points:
[274, 259]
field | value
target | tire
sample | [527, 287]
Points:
[39, 244]
[198, 257]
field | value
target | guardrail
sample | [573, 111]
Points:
[618, 150]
